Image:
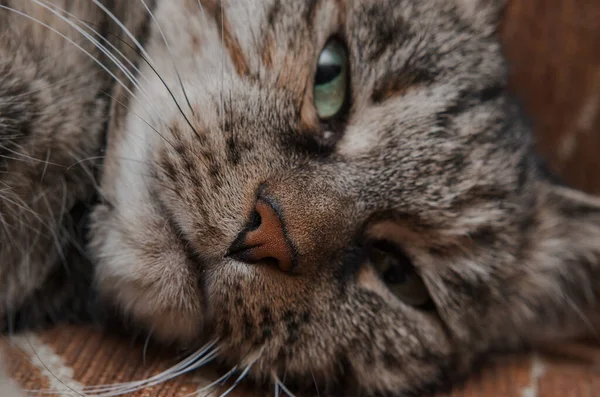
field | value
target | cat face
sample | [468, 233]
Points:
[338, 191]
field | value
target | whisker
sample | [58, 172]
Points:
[75, 164]
[237, 381]
[88, 171]
[214, 384]
[23, 206]
[102, 38]
[315, 382]
[199, 358]
[58, 83]
[283, 387]
[54, 226]
[104, 50]
[585, 319]
[26, 157]
[66, 38]
[143, 55]
[141, 118]
[46, 164]
[196, 360]
[276, 390]
[50, 371]
[202, 10]
[147, 59]
[124, 29]
[242, 375]
[222, 115]
[170, 54]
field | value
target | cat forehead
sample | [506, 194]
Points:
[249, 18]
[408, 59]
[262, 35]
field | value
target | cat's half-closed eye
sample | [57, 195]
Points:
[398, 273]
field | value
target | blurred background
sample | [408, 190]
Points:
[554, 50]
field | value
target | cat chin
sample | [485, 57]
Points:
[145, 274]
[149, 307]
[172, 313]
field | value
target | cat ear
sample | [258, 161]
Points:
[483, 14]
[564, 258]
[572, 219]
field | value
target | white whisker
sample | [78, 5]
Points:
[49, 371]
[196, 360]
[242, 375]
[280, 386]
[56, 84]
[75, 164]
[276, 390]
[140, 117]
[67, 39]
[315, 382]
[100, 37]
[202, 10]
[146, 343]
[237, 381]
[211, 386]
[170, 54]
[26, 157]
[104, 50]
[46, 164]
[286, 390]
[147, 58]
[124, 29]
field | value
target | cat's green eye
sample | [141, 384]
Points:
[331, 80]
[396, 270]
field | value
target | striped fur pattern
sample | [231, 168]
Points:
[433, 157]
[54, 103]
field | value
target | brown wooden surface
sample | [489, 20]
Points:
[70, 358]
[554, 49]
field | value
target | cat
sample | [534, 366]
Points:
[8, 387]
[55, 94]
[340, 194]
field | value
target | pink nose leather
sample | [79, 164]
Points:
[264, 242]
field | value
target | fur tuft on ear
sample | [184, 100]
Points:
[484, 15]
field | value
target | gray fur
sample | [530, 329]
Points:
[54, 102]
[433, 156]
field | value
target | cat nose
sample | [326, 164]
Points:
[264, 239]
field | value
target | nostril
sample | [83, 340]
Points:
[263, 239]
[255, 221]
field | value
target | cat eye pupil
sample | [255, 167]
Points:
[395, 274]
[327, 73]
[398, 273]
